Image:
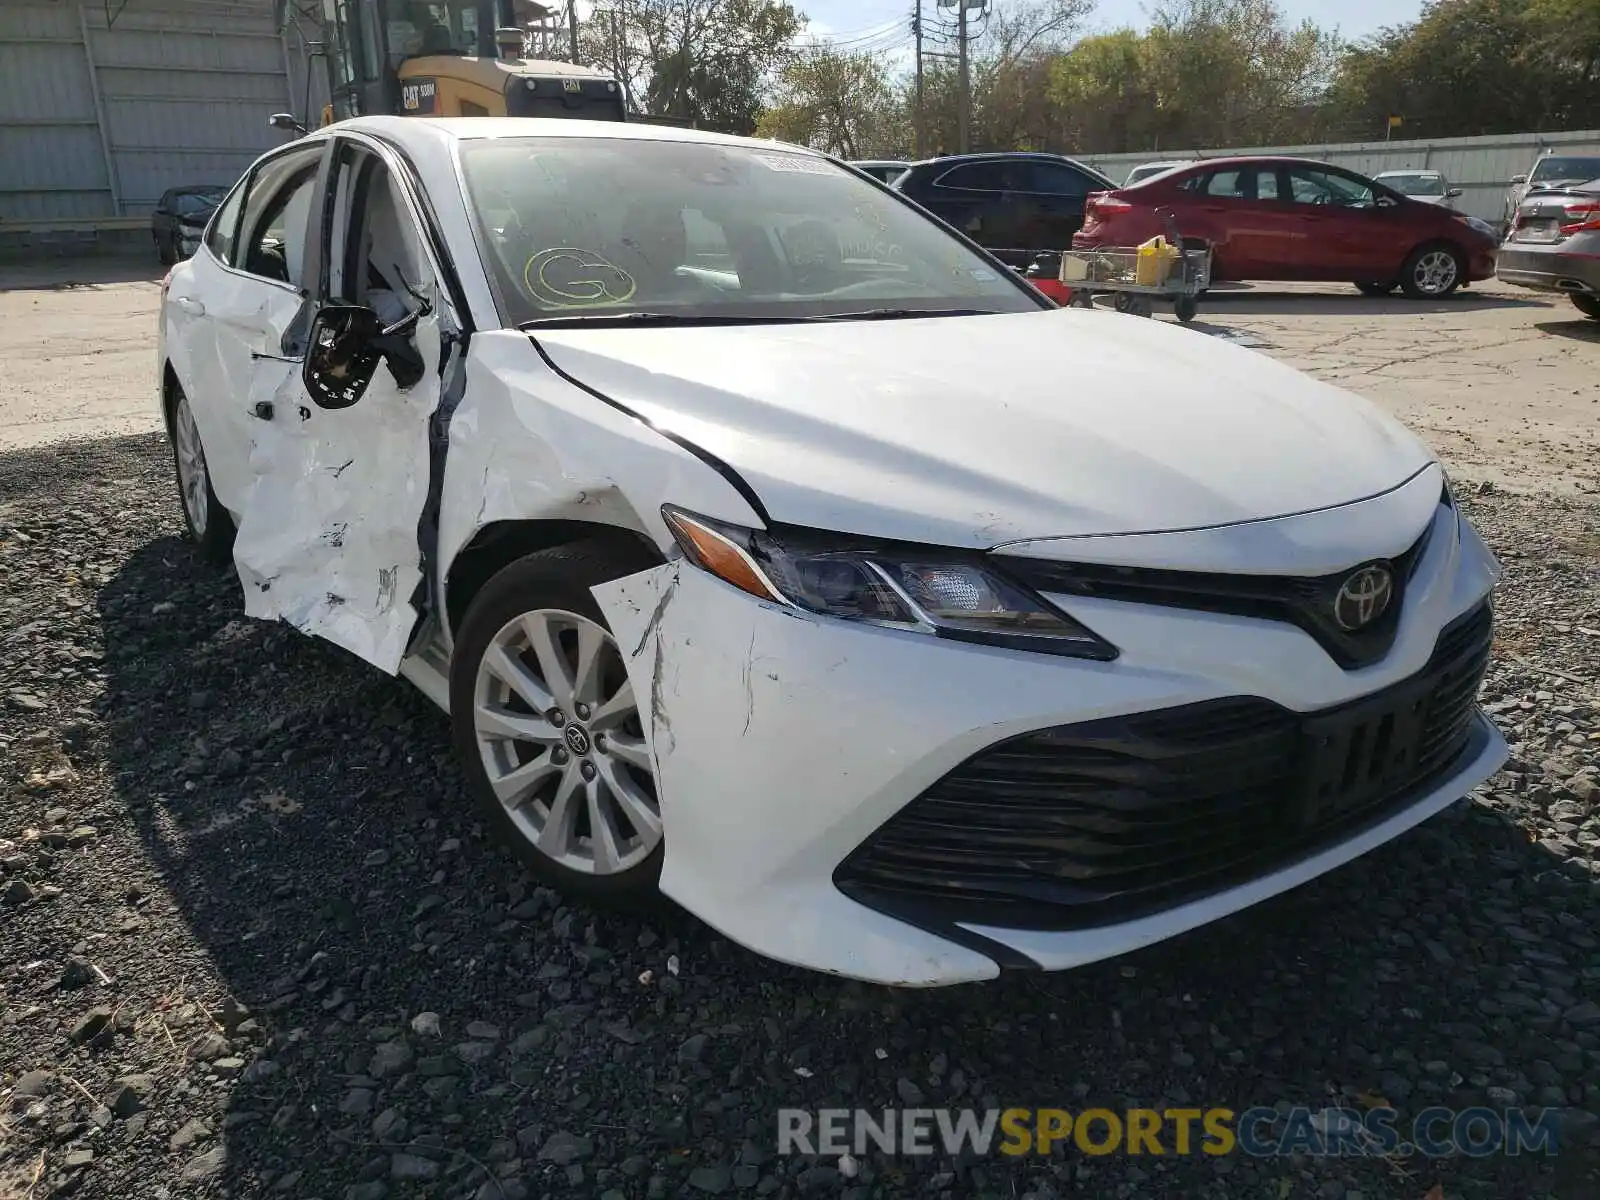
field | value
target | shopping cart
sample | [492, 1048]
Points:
[1116, 271]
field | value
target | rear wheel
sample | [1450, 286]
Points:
[1589, 306]
[210, 524]
[1432, 271]
[548, 730]
[164, 251]
[1376, 288]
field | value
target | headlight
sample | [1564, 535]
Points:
[1480, 225]
[945, 593]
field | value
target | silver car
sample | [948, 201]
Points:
[1430, 187]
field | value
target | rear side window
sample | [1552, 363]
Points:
[976, 177]
[1058, 179]
[221, 233]
[272, 237]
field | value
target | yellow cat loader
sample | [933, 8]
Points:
[451, 58]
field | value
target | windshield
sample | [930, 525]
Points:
[190, 204]
[1150, 171]
[1414, 184]
[1565, 167]
[608, 226]
[421, 27]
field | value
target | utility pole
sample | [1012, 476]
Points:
[572, 30]
[964, 108]
[921, 114]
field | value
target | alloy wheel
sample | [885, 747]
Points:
[1435, 272]
[191, 458]
[559, 734]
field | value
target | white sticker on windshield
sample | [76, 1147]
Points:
[795, 162]
[982, 274]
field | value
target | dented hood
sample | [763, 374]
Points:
[974, 431]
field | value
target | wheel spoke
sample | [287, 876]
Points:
[602, 835]
[518, 727]
[629, 749]
[514, 787]
[615, 710]
[591, 647]
[556, 839]
[631, 799]
[552, 663]
[510, 671]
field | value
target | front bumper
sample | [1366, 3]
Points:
[784, 742]
[1570, 266]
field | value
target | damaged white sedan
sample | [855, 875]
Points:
[769, 544]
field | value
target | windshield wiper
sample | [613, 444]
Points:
[602, 320]
[903, 314]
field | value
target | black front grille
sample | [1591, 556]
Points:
[1089, 824]
[1304, 601]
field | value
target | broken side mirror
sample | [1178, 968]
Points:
[1452, 193]
[287, 123]
[344, 355]
[1519, 179]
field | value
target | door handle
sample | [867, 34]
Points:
[193, 307]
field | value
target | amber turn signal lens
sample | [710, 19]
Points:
[713, 552]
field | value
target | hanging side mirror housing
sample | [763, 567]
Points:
[342, 357]
[287, 123]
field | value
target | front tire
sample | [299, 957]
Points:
[165, 252]
[1589, 306]
[210, 525]
[548, 730]
[1433, 271]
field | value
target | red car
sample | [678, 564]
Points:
[1292, 218]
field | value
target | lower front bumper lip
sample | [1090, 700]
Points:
[1483, 755]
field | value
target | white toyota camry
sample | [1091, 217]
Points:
[770, 545]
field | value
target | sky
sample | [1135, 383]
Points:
[871, 24]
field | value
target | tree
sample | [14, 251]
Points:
[704, 61]
[840, 103]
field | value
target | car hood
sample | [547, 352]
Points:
[975, 431]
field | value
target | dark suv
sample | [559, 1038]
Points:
[1012, 203]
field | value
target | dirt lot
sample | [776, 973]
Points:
[254, 941]
[1503, 383]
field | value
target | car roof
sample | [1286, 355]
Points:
[1409, 171]
[421, 134]
[950, 160]
[879, 162]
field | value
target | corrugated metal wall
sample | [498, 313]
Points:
[98, 118]
[1481, 166]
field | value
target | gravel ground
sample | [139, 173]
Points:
[254, 943]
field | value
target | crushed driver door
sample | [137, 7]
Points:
[341, 467]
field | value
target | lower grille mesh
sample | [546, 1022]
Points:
[1089, 824]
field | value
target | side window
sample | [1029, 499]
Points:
[272, 234]
[1057, 179]
[220, 233]
[376, 258]
[1311, 186]
[1267, 184]
[976, 177]
[1226, 184]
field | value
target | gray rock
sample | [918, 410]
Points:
[693, 1048]
[482, 1031]
[78, 1159]
[389, 1126]
[76, 972]
[909, 1093]
[209, 1047]
[389, 1058]
[357, 1102]
[91, 1025]
[208, 1164]
[374, 1189]
[130, 1095]
[475, 1053]
[228, 1067]
[33, 1083]
[413, 1166]
[1583, 1015]
[562, 1148]
[425, 1024]
[711, 1180]
[190, 1133]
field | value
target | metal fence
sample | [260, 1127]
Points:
[1481, 167]
[102, 108]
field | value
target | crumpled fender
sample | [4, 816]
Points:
[527, 445]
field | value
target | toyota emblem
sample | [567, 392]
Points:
[577, 739]
[1363, 598]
